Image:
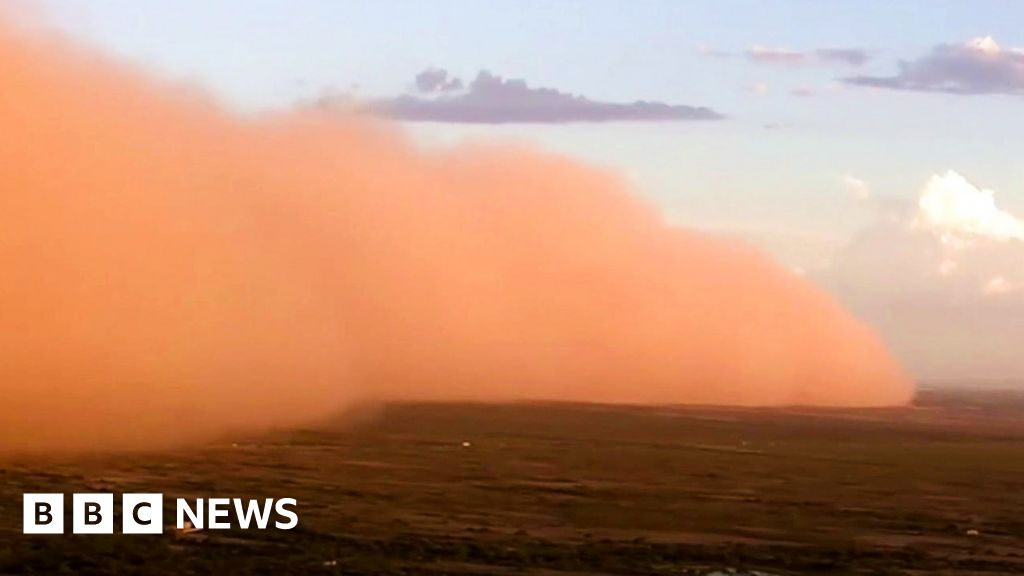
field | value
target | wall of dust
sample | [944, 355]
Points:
[169, 271]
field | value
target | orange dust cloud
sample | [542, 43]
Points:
[169, 271]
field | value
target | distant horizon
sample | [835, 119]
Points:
[981, 384]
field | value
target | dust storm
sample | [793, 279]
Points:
[170, 271]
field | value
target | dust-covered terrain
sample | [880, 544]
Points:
[575, 489]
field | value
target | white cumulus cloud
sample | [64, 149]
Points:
[958, 209]
[943, 281]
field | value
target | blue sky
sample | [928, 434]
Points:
[614, 50]
[273, 53]
[776, 171]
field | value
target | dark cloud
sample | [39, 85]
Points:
[437, 80]
[976, 67]
[491, 99]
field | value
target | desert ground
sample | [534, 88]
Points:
[532, 488]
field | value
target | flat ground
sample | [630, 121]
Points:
[576, 489]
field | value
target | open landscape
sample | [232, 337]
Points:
[556, 288]
[575, 489]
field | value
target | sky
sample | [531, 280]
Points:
[866, 145]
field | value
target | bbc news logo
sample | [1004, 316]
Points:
[143, 513]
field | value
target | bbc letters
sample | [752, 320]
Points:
[142, 513]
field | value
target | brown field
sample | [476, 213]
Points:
[575, 489]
